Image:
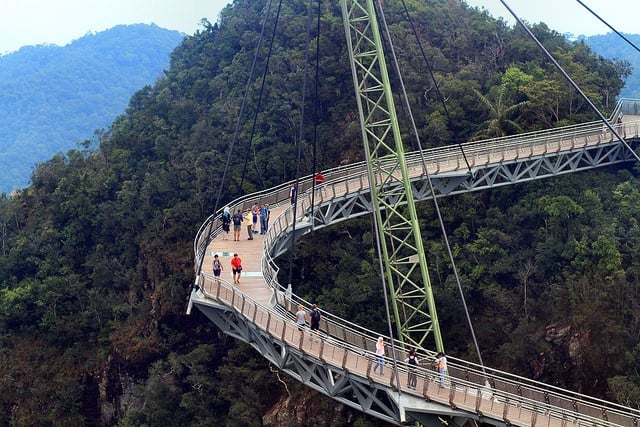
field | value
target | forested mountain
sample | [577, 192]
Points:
[96, 260]
[52, 97]
[612, 46]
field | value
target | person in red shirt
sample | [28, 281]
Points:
[236, 267]
[319, 181]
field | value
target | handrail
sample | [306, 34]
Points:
[513, 393]
[438, 156]
[356, 339]
[501, 381]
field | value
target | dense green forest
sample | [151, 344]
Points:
[52, 97]
[96, 260]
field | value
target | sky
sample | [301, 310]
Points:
[569, 16]
[58, 22]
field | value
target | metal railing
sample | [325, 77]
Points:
[468, 386]
[515, 394]
[438, 160]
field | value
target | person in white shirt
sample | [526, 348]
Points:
[441, 362]
[379, 355]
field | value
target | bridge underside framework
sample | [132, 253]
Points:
[465, 402]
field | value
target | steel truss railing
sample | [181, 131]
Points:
[340, 361]
[493, 163]
[345, 196]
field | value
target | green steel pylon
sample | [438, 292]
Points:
[403, 254]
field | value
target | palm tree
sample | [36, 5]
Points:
[501, 114]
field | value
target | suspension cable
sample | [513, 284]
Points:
[300, 140]
[607, 24]
[570, 80]
[431, 187]
[262, 83]
[234, 140]
[316, 119]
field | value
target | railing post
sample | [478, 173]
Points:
[505, 411]
[452, 394]
[479, 402]
[321, 349]
[268, 321]
[534, 415]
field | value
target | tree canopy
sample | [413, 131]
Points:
[96, 261]
[53, 98]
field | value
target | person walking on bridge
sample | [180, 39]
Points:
[379, 355]
[292, 194]
[315, 316]
[247, 217]
[264, 218]
[318, 180]
[412, 377]
[301, 319]
[236, 268]
[217, 268]
[255, 213]
[237, 225]
[226, 222]
[441, 365]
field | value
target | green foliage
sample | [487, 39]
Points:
[53, 98]
[97, 263]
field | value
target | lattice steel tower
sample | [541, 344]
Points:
[397, 226]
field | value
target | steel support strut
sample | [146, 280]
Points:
[397, 225]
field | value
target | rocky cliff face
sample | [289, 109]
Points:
[310, 409]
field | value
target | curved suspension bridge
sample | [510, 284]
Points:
[260, 310]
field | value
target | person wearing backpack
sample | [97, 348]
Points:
[226, 222]
[237, 224]
[314, 315]
[441, 364]
[412, 360]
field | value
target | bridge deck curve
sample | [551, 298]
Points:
[260, 313]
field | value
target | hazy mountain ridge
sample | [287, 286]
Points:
[51, 97]
[612, 46]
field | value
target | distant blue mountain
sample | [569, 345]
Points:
[53, 97]
[612, 46]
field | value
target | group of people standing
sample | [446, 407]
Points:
[251, 216]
